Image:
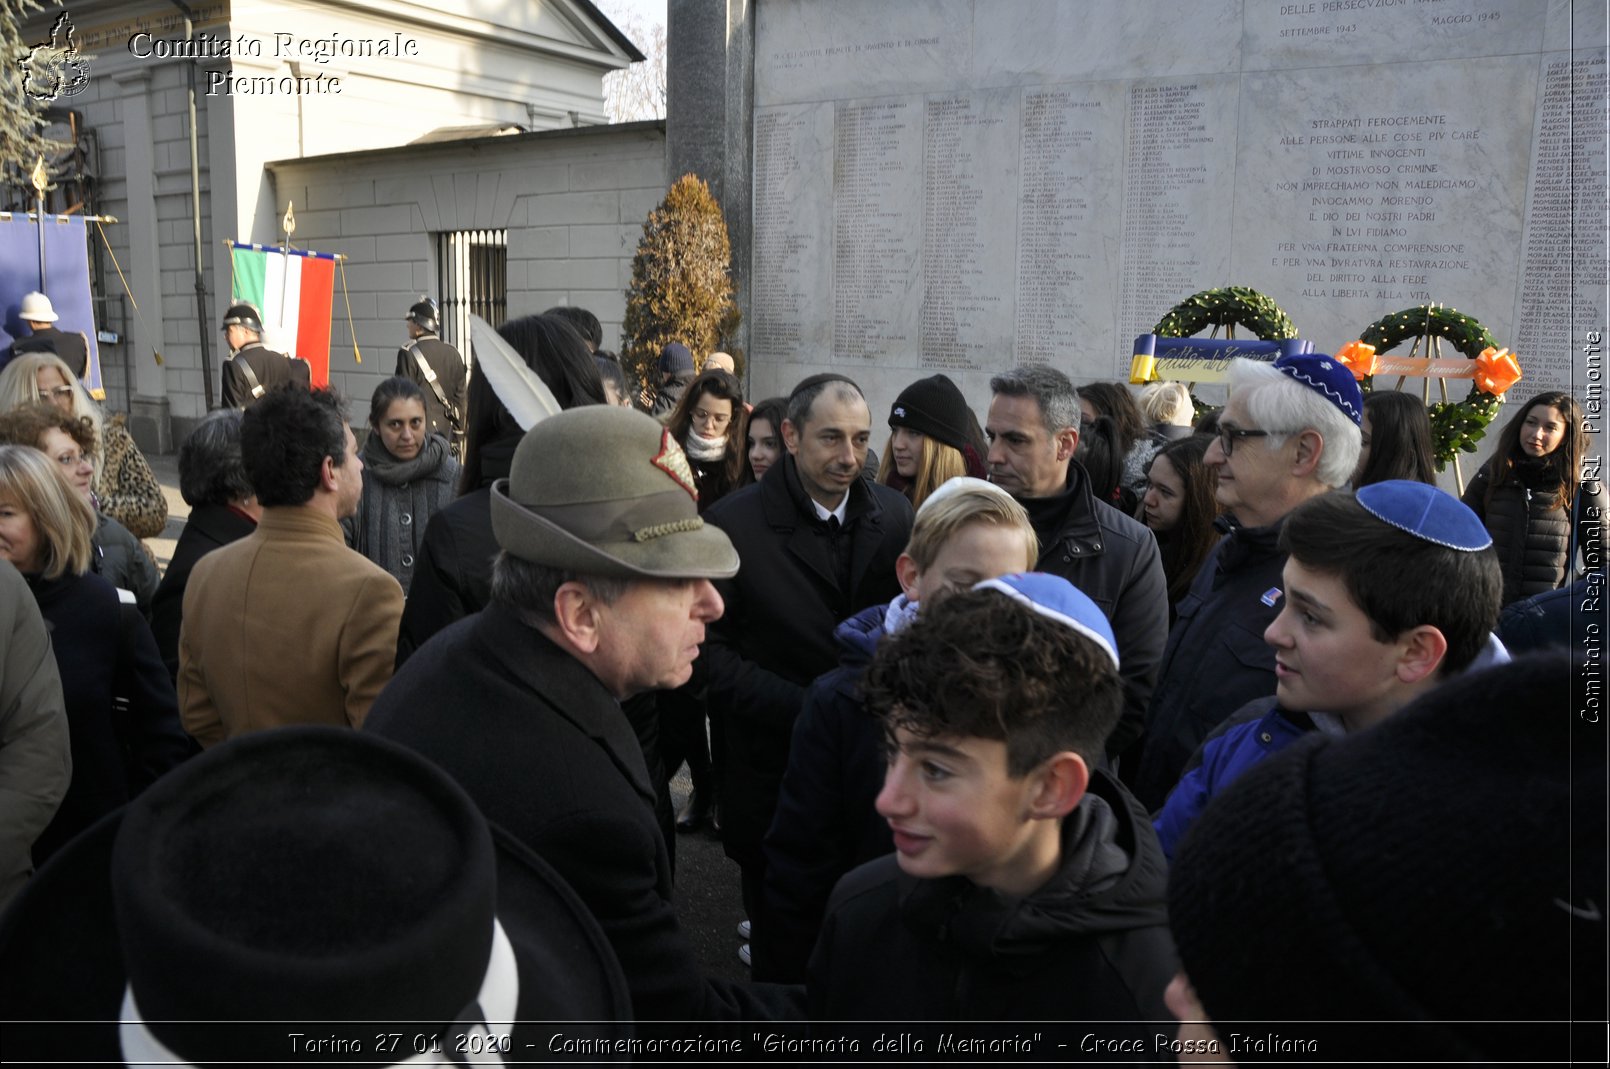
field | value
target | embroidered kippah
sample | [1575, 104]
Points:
[1328, 377]
[1057, 599]
[1425, 512]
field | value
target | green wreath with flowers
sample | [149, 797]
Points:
[1225, 307]
[1456, 426]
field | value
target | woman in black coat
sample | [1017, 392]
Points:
[122, 713]
[709, 423]
[1534, 501]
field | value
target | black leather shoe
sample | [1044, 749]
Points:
[693, 814]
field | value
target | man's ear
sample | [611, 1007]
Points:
[1058, 786]
[906, 570]
[791, 437]
[1310, 447]
[1423, 650]
[1067, 440]
[575, 613]
[328, 480]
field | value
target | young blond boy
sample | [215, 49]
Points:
[825, 824]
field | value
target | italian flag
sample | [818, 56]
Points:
[293, 291]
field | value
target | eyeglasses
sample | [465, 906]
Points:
[1228, 436]
[714, 419]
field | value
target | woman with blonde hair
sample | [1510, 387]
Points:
[122, 713]
[115, 554]
[125, 487]
[933, 438]
[1167, 409]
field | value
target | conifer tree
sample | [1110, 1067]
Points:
[681, 287]
[21, 140]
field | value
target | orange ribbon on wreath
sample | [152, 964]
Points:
[1358, 358]
[1496, 371]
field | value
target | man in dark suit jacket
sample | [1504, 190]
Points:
[818, 544]
[602, 590]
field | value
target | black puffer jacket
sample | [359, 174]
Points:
[1091, 945]
[1115, 562]
[1531, 536]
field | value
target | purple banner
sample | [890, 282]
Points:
[66, 282]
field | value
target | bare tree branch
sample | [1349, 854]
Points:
[638, 92]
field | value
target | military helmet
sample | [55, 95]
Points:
[243, 315]
[423, 314]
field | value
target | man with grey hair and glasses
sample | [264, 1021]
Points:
[1289, 432]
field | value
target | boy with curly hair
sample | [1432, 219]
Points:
[1026, 884]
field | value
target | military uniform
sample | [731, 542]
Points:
[448, 368]
[270, 369]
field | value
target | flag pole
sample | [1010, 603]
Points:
[41, 181]
[288, 226]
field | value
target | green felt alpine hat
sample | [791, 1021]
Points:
[606, 491]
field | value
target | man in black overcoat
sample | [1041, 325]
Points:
[602, 590]
[819, 544]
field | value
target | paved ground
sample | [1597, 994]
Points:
[707, 895]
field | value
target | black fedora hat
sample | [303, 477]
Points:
[312, 881]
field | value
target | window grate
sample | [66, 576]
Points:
[473, 266]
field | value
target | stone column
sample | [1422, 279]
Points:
[148, 392]
[710, 79]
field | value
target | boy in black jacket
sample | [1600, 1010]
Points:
[1025, 885]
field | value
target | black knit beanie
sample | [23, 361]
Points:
[1443, 866]
[935, 406]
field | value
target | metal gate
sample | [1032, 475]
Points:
[473, 268]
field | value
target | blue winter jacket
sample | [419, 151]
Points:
[1249, 735]
[1270, 729]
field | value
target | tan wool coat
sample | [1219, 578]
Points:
[285, 626]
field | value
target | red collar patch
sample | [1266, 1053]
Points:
[674, 463]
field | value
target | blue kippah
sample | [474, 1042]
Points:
[1329, 377]
[1425, 512]
[1057, 599]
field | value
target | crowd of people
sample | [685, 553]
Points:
[1108, 708]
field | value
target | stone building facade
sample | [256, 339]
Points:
[281, 80]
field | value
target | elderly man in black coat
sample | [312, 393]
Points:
[819, 544]
[602, 590]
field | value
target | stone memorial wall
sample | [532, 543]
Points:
[962, 185]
